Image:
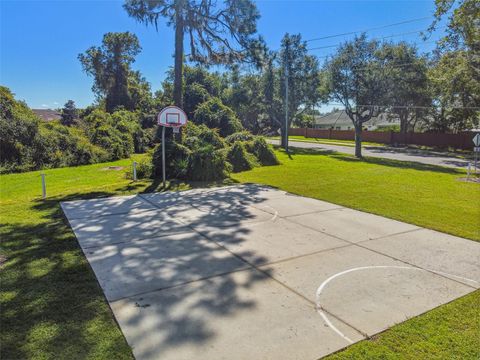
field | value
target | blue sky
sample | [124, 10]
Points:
[40, 40]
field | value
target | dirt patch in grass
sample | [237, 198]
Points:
[115, 168]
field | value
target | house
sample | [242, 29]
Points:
[47, 114]
[339, 120]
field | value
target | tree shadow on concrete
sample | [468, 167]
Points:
[167, 254]
[51, 287]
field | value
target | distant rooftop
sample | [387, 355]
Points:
[340, 118]
[47, 114]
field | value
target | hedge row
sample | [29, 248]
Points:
[27, 143]
[204, 155]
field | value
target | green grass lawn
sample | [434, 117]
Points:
[451, 331]
[349, 143]
[420, 194]
[53, 308]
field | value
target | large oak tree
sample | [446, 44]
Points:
[406, 73]
[354, 76]
[455, 77]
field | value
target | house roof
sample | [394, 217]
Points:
[340, 118]
[47, 114]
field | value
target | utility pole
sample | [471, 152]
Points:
[286, 95]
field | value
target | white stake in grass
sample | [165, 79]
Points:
[44, 186]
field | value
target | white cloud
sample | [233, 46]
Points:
[55, 103]
[44, 105]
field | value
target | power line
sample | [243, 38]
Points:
[409, 106]
[381, 38]
[327, 56]
[370, 29]
[388, 66]
[364, 68]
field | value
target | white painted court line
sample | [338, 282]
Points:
[325, 283]
[273, 218]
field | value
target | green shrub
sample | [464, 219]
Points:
[18, 130]
[119, 133]
[239, 136]
[144, 168]
[176, 158]
[87, 153]
[199, 161]
[119, 145]
[143, 139]
[128, 122]
[240, 159]
[195, 94]
[207, 164]
[59, 145]
[264, 152]
[200, 135]
[26, 143]
[214, 114]
[304, 121]
[387, 128]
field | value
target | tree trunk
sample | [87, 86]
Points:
[179, 34]
[358, 140]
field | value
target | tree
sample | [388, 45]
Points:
[109, 65]
[200, 85]
[463, 31]
[455, 78]
[305, 120]
[303, 83]
[244, 94]
[456, 93]
[69, 113]
[408, 94]
[140, 94]
[354, 77]
[217, 34]
[200, 75]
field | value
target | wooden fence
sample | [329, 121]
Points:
[459, 141]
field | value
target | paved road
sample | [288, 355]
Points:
[386, 152]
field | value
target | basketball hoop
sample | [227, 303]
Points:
[174, 117]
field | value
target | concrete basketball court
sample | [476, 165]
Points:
[251, 272]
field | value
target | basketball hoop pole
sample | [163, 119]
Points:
[286, 96]
[174, 117]
[163, 156]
